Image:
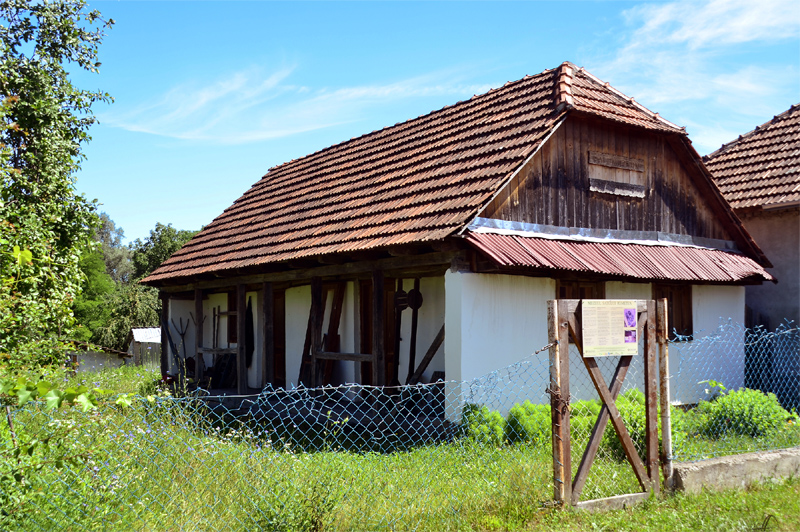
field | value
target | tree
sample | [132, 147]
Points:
[44, 121]
[90, 308]
[163, 241]
[117, 257]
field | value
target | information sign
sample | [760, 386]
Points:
[609, 327]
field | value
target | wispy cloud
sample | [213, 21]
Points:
[253, 105]
[684, 54]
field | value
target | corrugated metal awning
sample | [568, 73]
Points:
[645, 261]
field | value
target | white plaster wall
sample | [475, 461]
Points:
[254, 371]
[722, 359]
[494, 321]
[344, 370]
[298, 306]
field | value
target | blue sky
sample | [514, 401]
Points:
[210, 95]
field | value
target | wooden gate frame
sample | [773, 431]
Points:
[564, 322]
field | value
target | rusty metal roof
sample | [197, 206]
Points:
[761, 168]
[416, 181]
[648, 261]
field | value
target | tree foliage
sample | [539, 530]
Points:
[44, 121]
[163, 241]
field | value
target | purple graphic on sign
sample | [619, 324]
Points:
[630, 337]
[630, 317]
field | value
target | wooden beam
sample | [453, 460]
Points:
[317, 315]
[268, 334]
[350, 269]
[426, 360]
[164, 333]
[412, 346]
[597, 431]
[563, 347]
[198, 334]
[662, 335]
[332, 339]
[651, 397]
[378, 354]
[619, 426]
[326, 355]
[241, 368]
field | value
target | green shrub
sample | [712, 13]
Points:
[483, 425]
[529, 423]
[743, 412]
[631, 405]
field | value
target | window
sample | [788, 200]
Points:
[580, 290]
[679, 308]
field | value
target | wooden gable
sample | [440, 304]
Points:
[600, 175]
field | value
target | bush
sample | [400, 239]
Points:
[483, 425]
[742, 412]
[529, 423]
[631, 405]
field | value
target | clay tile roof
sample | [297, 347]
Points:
[417, 181]
[761, 168]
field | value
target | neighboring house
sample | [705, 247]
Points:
[472, 217]
[759, 175]
[144, 346]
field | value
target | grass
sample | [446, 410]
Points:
[161, 465]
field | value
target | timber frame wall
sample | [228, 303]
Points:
[657, 186]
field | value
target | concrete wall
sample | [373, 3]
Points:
[778, 234]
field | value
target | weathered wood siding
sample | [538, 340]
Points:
[554, 187]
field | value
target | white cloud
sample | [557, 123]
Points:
[689, 60]
[251, 106]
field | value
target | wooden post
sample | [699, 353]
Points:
[317, 315]
[663, 372]
[357, 329]
[199, 361]
[412, 348]
[268, 334]
[241, 364]
[164, 338]
[559, 349]
[378, 355]
[651, 395]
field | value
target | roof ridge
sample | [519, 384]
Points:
[759, 128]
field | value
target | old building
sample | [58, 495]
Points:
[429, 248]
[759, 175]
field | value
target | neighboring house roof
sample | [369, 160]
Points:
[146, 334]
[414, 182]
[761, 168]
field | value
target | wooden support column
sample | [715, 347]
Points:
[164, 333]
[241, 364]
[651, 395]
[378, 354]
[558, 334]
[316, 318]
[662, 334]
[199, 361]
[268, 334]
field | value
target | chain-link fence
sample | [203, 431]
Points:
[736, 390]
[447, 455]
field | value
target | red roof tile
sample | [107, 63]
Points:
[649, 262]
[416, 181]
[761, 168]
